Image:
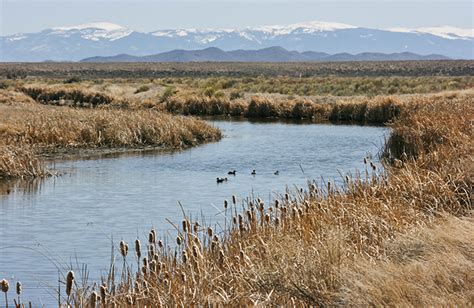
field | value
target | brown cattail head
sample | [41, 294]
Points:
[160, 243]
[196, 227]
[93, 299]
[234, 220]
[179, 240]
[152, 265]
[287, 197]
[18, 288]
[138, 249]
[145, 262]
[277, 221]
[5, 285]
[261, 206]
[374, 167]
[103, 292]
[210, 232]
[152, 236]
[234, 199]
[196, 252]
[267, 218]
[185, 257]
[185, 225]
[69, 282]
[249, 215]
[277, 203]
[123, 248]
[365, 160]
[226, 204]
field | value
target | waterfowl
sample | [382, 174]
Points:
[220, 180]
[276, 172]
[253, 172]
[231, 172]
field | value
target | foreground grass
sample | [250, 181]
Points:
[401, 237]
[27, 129]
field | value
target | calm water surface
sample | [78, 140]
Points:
[70, 220]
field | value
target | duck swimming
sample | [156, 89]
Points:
[276, 172]
[220, 180]
[253, 172]
[231, 172]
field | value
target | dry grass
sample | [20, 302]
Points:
[383, 239]
[28, 128]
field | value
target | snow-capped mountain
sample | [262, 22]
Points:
[73, 43]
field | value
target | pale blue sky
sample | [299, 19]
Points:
[32, 16]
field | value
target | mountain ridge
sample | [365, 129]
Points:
[73, 43]
[270, 54]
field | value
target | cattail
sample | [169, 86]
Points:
[138, 250]
[234, 220]
[249, 215]
[287, 197]
[196, 253]
[196, 227]
[226, 204]
[185, 257]
[373, 166]
[152, 236]
[151, 251]
[277, 203]
[93, 299]
[103, 293]
[348, 179]
[261, 206]
[267, 218]
[152, 265]
[160, 244]
[329, 186]
[123, 248]
[241, 219]
[5, 285]
[365, 161]
[185, 225]
[300, 212]
[145, 262]
[277, 221]
[234, 199]
[179, 240]
[18, 288]
[270, 209]
[210, 232]
[69, 281]
[314, 188]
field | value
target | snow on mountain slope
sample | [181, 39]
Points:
[305, 27]
[447, 32]
[94, 31]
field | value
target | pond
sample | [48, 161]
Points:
[73, 218]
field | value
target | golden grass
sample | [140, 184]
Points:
[398, 238]
[29, 129]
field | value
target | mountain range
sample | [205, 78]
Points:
[106, 39]
[271, 54]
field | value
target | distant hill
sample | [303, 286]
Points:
[105, 39]
[271, 54]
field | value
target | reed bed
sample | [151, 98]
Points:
[29, 130]
[398, 237]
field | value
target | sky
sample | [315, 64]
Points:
[23, 16]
